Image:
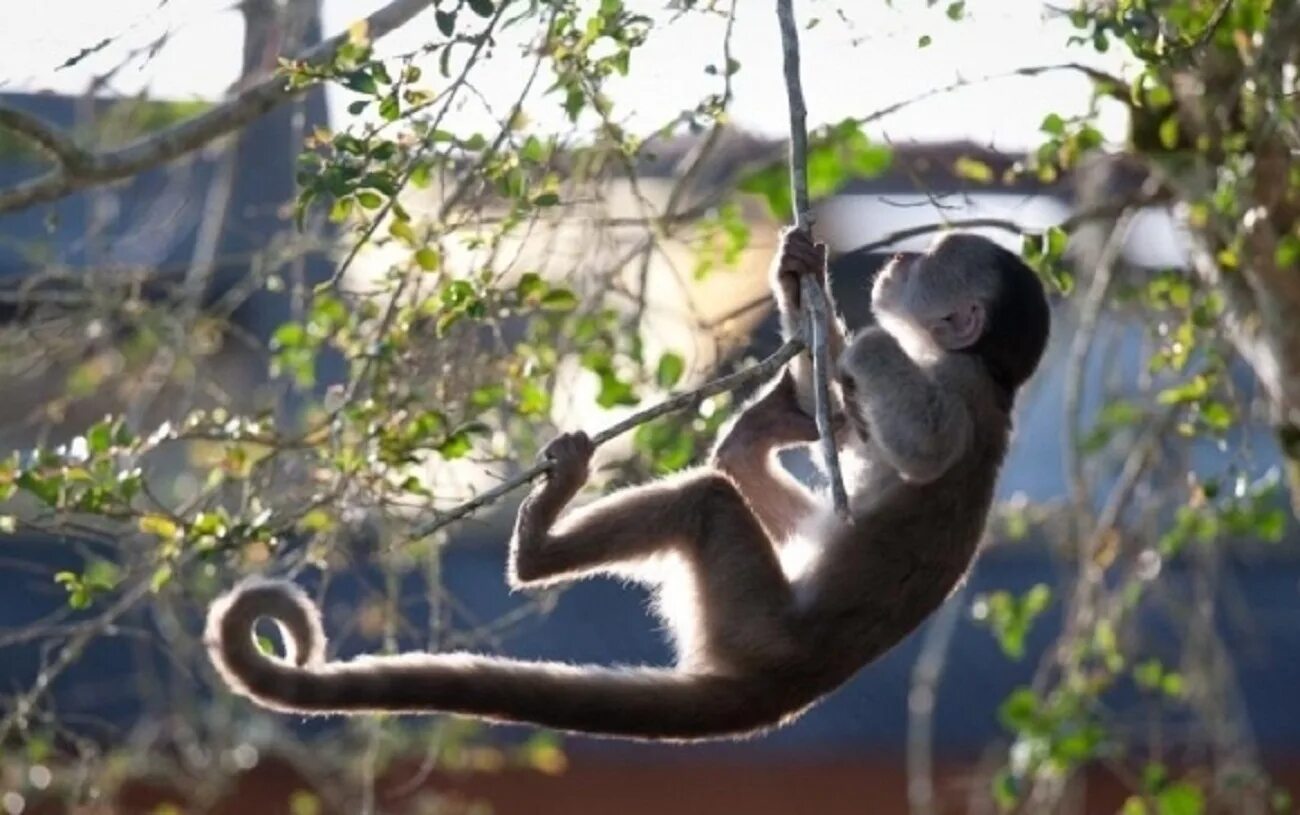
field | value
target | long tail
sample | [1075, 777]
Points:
[640, 703]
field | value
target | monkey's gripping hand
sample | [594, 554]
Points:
[802, 258]
[569, 456]
[799, 257]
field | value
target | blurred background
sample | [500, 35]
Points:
[285, 282]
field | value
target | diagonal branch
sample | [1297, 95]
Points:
[817, 307]
[57, 144]
[681, 401]
[77, 168]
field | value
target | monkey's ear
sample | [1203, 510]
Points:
[961, 327]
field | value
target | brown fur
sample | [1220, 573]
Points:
[759, 636]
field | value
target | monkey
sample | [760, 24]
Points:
[772, 601]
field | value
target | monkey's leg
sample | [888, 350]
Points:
[741, 611]
[743, 604]
[629, 525]
[746, 453]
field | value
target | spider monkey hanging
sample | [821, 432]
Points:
[771, 599]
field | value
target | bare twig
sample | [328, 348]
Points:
[1076, 372]
[682, 401]
[77, 168]
[815, 305]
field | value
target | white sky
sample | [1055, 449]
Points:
[840, 78]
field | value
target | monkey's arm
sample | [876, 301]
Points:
[920, 426]
[746, 453]
[797, 258]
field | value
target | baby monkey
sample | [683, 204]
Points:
[771, 599]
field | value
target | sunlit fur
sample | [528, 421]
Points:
[771, 600]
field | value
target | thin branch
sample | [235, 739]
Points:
[78, 168]
[1108, 209]
[682, 401]
[53, 141]
[1094, 303]
[815, 305]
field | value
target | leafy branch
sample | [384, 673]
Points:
[683, 401]
[77, 168]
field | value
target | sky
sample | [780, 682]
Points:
[848, 70]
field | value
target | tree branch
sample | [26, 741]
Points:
[816, 308]
[682, 401]
[77, 168]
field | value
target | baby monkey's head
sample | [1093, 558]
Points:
[966, 295]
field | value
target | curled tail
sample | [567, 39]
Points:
[641, 703]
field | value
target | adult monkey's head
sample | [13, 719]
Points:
[966, 295]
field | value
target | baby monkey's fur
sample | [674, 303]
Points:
[772, 600]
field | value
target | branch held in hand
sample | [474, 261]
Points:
[690, 399]
[815, 305]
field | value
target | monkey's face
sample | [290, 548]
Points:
[932, 302]
[971, 295]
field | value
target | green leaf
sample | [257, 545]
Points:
[99, 438]
[870, 159]
[670, 370]
[341, 209]
[361, 82]
[1217, 415]
[533, 399]
[289, 335]
[428, 259]
[1288, 252]
[559, 300]
[973, 169]
[1180, 798]
[402, 231]
[488, 396]
[614, 391]
[483, 8]
[1169, 133]
[546, 199]
[1006, 790]
[456, 446]
[530, 285]
[161, 577]
[772, 183]
[1053, 125]
[446, 21]
[420, 174]
[159, 525]
[1019, 711]
[924, 41]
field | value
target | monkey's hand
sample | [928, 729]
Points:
[800, 257]
[569, 456]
